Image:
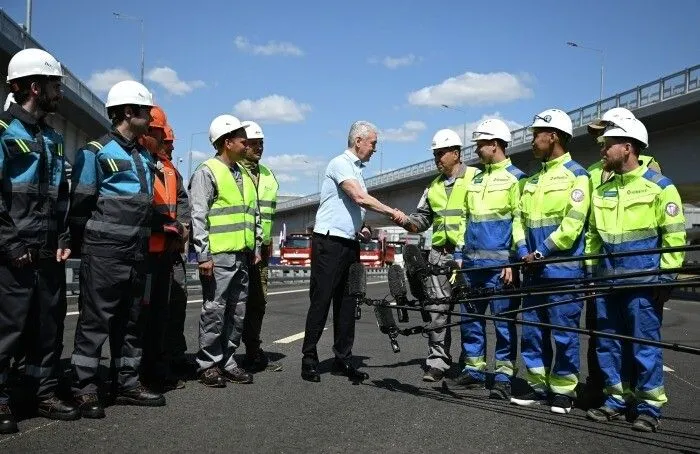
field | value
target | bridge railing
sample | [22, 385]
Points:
[671, 86]
[17, 35]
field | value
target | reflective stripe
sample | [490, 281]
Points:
[23, 146]
[544, 222]
[59, 149]
[624, 237]
[112, 165]
[238, 209]
[475, 362]
[490, 217]
[537, 378]
[165, 208]
[452, 212]
[655, 397]
[484, 254]
[37, 371]
[226, 228]
[96, 144]
[85, 361]
[127, 362]
[119, 229]
[267, 203]
[576, 215]
[563, 384]
[673, 228]
[504, 367]
[3, 124]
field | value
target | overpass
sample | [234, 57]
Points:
[669, 107]
[82, 115]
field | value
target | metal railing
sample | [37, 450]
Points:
[21, 39]
[671, 86]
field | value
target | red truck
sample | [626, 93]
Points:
[296, 250]
[377, 253]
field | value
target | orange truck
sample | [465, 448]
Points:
[296, 250]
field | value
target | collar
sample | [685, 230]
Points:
[355, 160]
[234, 165]
[251, 166]
[128, 145]
[22, 115]
[497, 166]
[626, 177]
[560, 161]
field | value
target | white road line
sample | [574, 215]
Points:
[668, 369]
[667, 308]
[284, 292]
[292, 338]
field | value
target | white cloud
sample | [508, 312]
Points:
[396, 62]
[201, 155]
[167, 78]
[272, 109]
[474, 89]
[471, 127]
[271, 48]
[286, 178]
[294, 167]
[408, 132]
[102, 81]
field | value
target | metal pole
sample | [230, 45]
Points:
[602, 72]
[28, 20]
[142, 51]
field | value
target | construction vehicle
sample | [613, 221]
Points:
[296, 250]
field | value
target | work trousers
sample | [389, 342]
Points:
[255, 308]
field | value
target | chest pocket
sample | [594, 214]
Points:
[111, 166]
[498, 197]
[555, 197]
[20, 148]
[638, 212]
[605, 212]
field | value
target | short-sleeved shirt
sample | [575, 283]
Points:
[338, 215]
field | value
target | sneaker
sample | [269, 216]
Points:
[529, 398]
[603, 414]
[500, 390]
[645, 423]
[433, 375]
[212, 378]
[237, 375]
[561, 404]
[466, 380]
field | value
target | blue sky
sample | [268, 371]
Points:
[305, 70]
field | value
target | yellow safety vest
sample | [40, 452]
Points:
[449, 221]
[231, 218]
[267, 200]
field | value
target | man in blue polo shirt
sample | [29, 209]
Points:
[334, 247]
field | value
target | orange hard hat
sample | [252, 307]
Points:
[169, 134]
[158, 118]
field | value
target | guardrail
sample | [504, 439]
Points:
[671, 86]
[17, 35]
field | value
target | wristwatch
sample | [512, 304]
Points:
[538, 255]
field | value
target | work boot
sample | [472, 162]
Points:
[603, 414]
[468, 381]
[89, 406]
[258, 362]
[528, 398]
[645, 423]
[238, 375]
[212, 378]
[55, 408]
[173, 383]
[140, 396]
[500, 390]
[433, 375]
[8, 422]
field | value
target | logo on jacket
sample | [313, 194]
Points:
[577, 195]
[672, 209]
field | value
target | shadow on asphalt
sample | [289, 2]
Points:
[676, 441]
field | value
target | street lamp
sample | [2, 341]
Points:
[465, 123]
[125, 17]
[189, 153]
[318, 177]
[602, 69]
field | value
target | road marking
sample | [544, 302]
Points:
[668, 369]
[284, 292]
[667, 308]
[292, 338]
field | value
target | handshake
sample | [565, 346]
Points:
[400, 218]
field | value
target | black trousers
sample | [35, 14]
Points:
[331, 258]
[32, 313]
[175, 343]
[155, 318]
[255, 307]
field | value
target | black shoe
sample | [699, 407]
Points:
[89, 406]
[212, 378]
[171, 384]
[345, 369]
[8, 423]
[256, 362]
[529, 398]
[55, 408]
[500, 390]
[468, 381]
[238, 375]
[561, 404]
[310, 373]
[433, 375]
[645, 423]
[140, 396]
[603, 414]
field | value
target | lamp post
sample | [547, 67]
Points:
[464, 133]
[602, 69]
[189, 153]
[133, 18]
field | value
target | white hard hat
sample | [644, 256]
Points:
[492, 129]
[628, 127]
[553, 118]
[608, 116]
[129, 92]
[33, 62]
[445, 138]
[253, 130]
[223, 124]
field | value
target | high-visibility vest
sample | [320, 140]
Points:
[164, 202]
[449, 220]
[231, 218]
[267, 200]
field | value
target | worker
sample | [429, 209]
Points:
[111, 211]
[442, 206]
[492, 202]
[637, 209]
[553, 211]
[34, 236]
[255, 358]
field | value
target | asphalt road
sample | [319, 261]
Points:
[393, 411]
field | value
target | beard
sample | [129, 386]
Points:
[47, 104]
